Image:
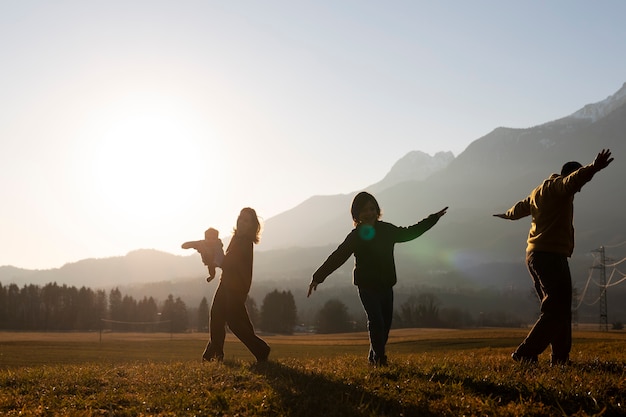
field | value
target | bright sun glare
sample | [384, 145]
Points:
[146, 161]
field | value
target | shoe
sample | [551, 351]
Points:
[212, 357]
[382, 361]
[264, 356]
[560, 362]
[524, 359]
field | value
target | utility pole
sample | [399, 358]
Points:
[604, 322]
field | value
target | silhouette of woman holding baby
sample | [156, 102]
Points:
[228, 307]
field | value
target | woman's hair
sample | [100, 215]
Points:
[255, 231]
[359, 201]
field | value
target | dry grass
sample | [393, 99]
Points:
[431, 373]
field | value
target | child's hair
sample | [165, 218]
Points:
[256, 235]
[211, 234]
[359, 201]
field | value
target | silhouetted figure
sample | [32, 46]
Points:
[210, 249]
[550, 243]
[229, 301]
[372, 242]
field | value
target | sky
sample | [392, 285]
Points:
[130, 125]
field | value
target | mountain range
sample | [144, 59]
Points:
[493, 173]
[467, 247]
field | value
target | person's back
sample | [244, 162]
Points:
[550, 243]
[551, 206]
[552, 211]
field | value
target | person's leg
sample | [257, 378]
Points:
[521, 353]
[387, 310]
[372, 305]
[551, 275]
[217, 327]
[562, 337]
[241, 326]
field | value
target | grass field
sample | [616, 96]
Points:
[431, 373]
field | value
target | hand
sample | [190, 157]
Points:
[441, 212]
[312, 287]
[501, 215]
[603, 159]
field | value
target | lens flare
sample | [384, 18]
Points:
[367, 232]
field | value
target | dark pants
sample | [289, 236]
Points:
[378, 305]
[553, 283]
[229, 308]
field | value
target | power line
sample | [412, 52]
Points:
[135, 322]
[600, 262]
[612, 284]
[617, 263]
[581, 297]
[615, 246]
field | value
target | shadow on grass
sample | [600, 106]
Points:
[607, 399]
[303, 392]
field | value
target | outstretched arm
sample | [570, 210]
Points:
[194, 244]
[519, 210]
[334, 261]
[575, 181]
[405, 234]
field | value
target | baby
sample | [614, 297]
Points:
[210, 249]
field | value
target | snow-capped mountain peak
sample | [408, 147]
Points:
[600, 109]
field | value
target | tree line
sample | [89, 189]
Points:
[56, 307]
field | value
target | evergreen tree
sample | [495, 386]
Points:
[3, 307]
[148, 312]
[175, 311]
[115, 308]
[278, 312]
[88, 315]
[203, 315]
[100, 307]
[129, 313]
[69, 307]
[334, 318]
[13, 302]
[51, 300]
[29, 309]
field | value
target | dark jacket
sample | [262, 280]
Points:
[374, 265]
[237, 265]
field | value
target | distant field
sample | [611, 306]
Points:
[27, 349]
[431, 373]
